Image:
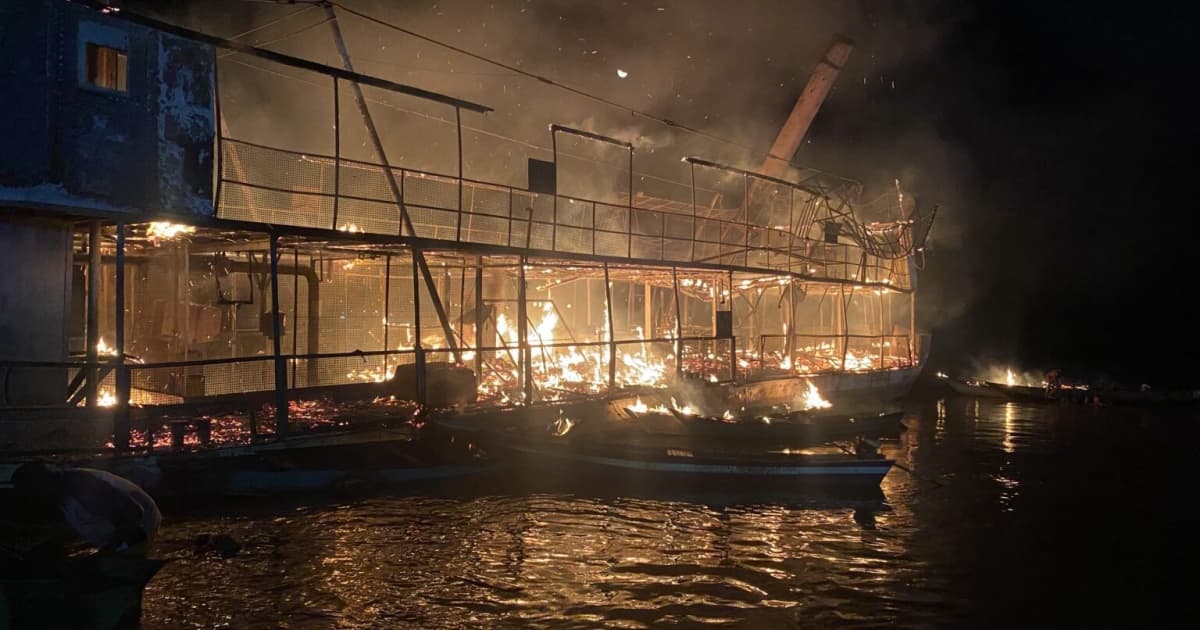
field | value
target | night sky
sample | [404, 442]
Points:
[1053, 136]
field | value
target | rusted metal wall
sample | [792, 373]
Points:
[81, 148]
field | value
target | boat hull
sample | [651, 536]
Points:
[979, 391]
[323, 462]
[92, 592]
[802, 470]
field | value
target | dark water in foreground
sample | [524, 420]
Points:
[1047, 514]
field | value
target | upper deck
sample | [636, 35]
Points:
[170, 109]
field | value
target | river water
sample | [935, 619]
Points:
[1023, 514]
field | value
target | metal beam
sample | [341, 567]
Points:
[381, 154]
[121, 427]
[93, 312]
[296, 62]
[281, 388]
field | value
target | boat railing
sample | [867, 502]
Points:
[824, 353]
[274, 186]
[240, 390]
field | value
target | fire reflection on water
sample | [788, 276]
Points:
[1009, 413]
[585, 556]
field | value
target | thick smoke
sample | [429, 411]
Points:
[733, 69]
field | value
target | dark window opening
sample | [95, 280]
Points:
[106, 67]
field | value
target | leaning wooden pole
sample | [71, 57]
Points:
[393, 185]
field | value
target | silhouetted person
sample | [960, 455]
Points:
[107, 511]
[1053, 381]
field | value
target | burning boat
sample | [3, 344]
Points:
[661, 437]
[293, 315]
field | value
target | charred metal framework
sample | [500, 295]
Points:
[323, 274]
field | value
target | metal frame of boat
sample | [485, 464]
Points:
[331, 275]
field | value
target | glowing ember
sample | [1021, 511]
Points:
[105, 350]
[728, 415]
[372, 375]
[621, 74]
[165, 231]
[106, 399]
[813, 399]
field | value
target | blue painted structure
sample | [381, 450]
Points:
[76, 147]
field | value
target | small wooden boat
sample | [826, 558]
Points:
[1022, 392]
[973, 387]
[607, 448]
[353, 458]
[766, 429]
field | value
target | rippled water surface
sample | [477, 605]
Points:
[1024, 514]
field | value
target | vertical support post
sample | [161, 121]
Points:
[458, 128]
[845, 302]
[695, 228]
[914, 350]
[612, 333]
[396, 188]
[418, 349]
[121, 427]
[387, 303]
[510, 218]
[281, 388]
[523, 334]
[792, 229]
[662, 235]
[479, 317]
[733, 358]
[554, 217]
[218, 148]
[185, 298]
[647, 310]
[629, 223]
[337, 151]
[93, 312]
[678, 325]
[295, 311]
[746, 219]
[791, 324]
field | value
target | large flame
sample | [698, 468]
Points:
[687, 409]
[165, 231]
[105, 350]
[813, 400]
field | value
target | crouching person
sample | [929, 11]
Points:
[106, 511]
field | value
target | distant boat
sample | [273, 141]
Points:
[1022, 392]
[972, 387]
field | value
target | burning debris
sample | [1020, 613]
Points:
[158, 231]
[813, 399]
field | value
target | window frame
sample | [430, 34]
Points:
[92, 52]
